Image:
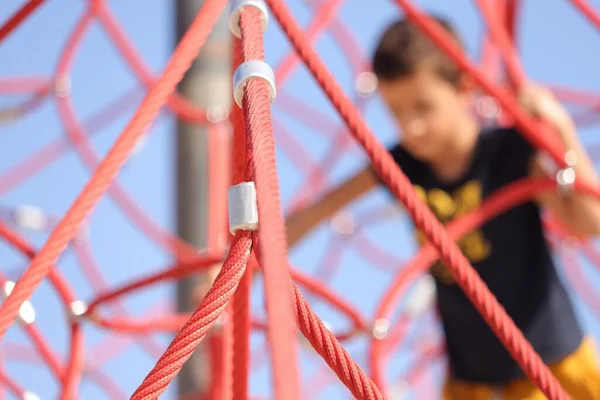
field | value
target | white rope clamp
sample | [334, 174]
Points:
[565, 178]
[243, 208]
[253, 69]
[26, 311]
[422, 297]
[76, 310]
[30, 217]
[236, 8]
[28, 395]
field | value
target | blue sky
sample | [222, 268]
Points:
[555, 47]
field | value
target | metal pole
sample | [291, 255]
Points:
[208, 84]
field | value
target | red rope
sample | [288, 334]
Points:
[72, 372]
[336, 356]
[203, 318]
[116, 157]
[240, 307]
[588, 11]
[324, 341]
[281, 331]
[21, 15]
[503, 41]
[328, 346]
[467, 278]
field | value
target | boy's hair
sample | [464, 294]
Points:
[403, 49]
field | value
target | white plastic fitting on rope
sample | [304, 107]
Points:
[26, 311]
[236, 8]
[243, 208]
[399, 391]
[28, 395]
[253, 69]
[381, 328]
[30, 217]
[565, 178]
[422, 297]
[76, 310]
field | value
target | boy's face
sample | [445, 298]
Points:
[428, 110]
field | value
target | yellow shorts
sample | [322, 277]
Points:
[579, 375]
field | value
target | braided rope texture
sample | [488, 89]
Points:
[203, 318]
[114, 160]
[466, 277]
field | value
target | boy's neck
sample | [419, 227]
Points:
[458, 155]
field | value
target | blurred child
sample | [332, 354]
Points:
[454, 164]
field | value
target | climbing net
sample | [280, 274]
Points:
[253, 196]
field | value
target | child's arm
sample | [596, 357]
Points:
[578, 212]
[302, 222]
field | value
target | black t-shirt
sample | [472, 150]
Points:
[511, 255]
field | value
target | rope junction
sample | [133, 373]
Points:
[254, 196]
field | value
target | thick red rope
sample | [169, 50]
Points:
[18, 17]
[281, 330]
[467, 278]
[203, 318]
[338, 360]
[240, 307]
[329, 348]
[114, 160]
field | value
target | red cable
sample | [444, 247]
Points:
[46, 352]
[324, 15]
[178, 271]
[82, 144]
[334, 354]
[203, 318]
[588, 11]
[41, 158]
[93, 273]
[74, 368]
[28, 84]
[240, 307]
[466, 276]
[503, 41]
[281, 330]
[98, 9]
[527, 125]
[17, 18]
[181, 106]
[115, 158]
[11, 385]
[326, 344]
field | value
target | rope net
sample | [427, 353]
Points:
[259, 305]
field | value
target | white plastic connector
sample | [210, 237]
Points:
[26, 311]
[366, 83]
[488, 107]
[243, 209]
[343, 224]
[399, 391]
[27, 395]
[422, 297]
[252, 69]
[571, 158]
[565, 178]
[236, 8]
[30, 217]
[77, 309]
[381, 328]
[62, 86]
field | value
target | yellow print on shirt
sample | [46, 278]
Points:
[448, 206]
